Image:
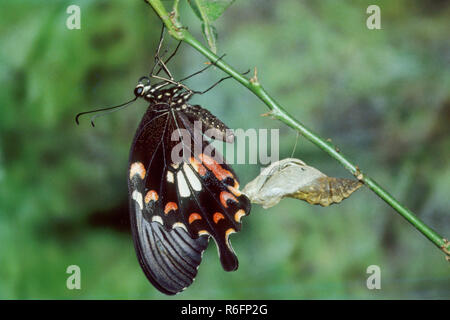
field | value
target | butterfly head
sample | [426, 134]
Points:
[143, 87]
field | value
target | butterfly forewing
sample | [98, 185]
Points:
[177, 204]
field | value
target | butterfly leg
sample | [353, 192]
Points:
[200, 71]
[215, 84]
[156, 58]
[168, 59]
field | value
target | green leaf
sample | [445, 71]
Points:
[209, 10]
[210, 33]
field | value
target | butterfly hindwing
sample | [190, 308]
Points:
[222, 203]
[212, 126]
[169, 259]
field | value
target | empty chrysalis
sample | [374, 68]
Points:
[293, 178]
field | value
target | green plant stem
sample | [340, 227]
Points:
[279, 113]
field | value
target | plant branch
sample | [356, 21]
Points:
[276, 111]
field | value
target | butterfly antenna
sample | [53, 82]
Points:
[110, 109]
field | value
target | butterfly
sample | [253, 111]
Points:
[182, 192]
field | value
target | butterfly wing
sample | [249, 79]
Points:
[169, 258]
[176, 206]
[221, 203]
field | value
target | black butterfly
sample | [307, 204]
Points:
[176, 205]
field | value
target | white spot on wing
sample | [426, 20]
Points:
[157, 219]
[217, 246]
[192, 178]
[137, 196]
[170, 176]
[182, 185]
[179, 225]
[227, 236]
[238, 215]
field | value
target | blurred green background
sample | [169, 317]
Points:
[382, 96]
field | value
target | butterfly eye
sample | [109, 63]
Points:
[138, 90]
[144, 81]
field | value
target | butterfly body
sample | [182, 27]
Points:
[180, 199]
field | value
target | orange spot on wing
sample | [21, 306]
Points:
[235, 190]
[194, 216]
[151, 196]
[224, 196]
[216, 168]
[170, 206]
[217, 216]
[201, 170]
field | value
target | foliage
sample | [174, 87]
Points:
[63, 194]
[208, 12]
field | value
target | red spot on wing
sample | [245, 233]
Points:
[152, 195]
[216, 168]
[235, 190]
[217, 216]
[225, 196]
[194, 216]
[201, 170]
[170, 206]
